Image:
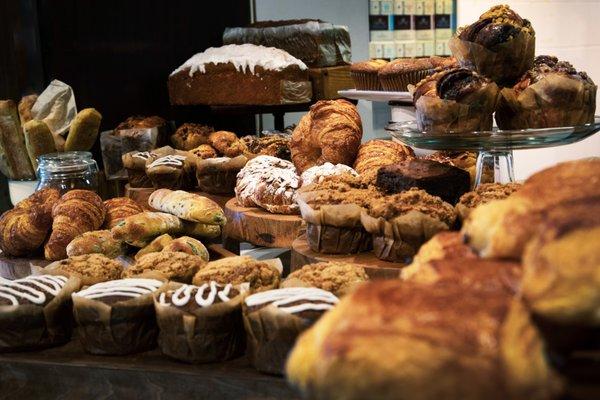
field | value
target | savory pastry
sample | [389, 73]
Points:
[187, 206]
[376, 153]
[336, 277]
[119, 208]
[444, 245]
[466, 160]
[204, 151]
[171, 265]
[500, 45]
[219, 175]
[25, 106]
[76, 212]
[401, 72]
[135, 164]
[437, 179]
[226, 143]
[155, 246]
[35, 312]
[330, 132]
[275, 318]
[402, 222]
[274, 145]
[189, 136]
[364, 74]
[14, 161]
[502, 228]
[552, 93]
[24, 228]
[38, 140]
[189, 245]
[455, 100]
[117, 317]
[90, 268]
[100, 242]
[269, 183]
[259, 274]
[167, 171]
[423, 340]
[318, 172]
[201, 323]
[84, 130]
[484, 194]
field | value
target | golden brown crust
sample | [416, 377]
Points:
[176, 266]
[96, 242]
[155, 246]
[466, 160]
[204, 151]
[139, 122]
[445, 245]
[226, 143]
[484, 194]
[91, 268]
[189, 136]
[237, 270]
[368, 66]
[377, 153]
[330, 132]
[404, 65]
[119, 208]
[338, 278]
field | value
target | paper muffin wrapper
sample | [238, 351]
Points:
[210, 334]
[138, 178]
[399, 239]
[505, 65]
[366, 80]
[399, 82]
[30, 326]
[122, 328]
[439, 116]
[219, 178]
[553, 101]
[271, 334]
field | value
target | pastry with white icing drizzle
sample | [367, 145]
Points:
[135, 164]
[172, 171]
[191, 297]
[34, 289]
[122, 289]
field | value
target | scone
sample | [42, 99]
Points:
[226, 143]
[484, 194]
[338, 278]
[176, 266]
[261, 275]
[90, 268]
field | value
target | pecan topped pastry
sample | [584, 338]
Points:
[275, 145]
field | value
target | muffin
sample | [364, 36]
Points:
[219, 175]
[398, 74]
[117, 317]
[365, 74]
[338, 278]
[443, 62]
[402, 222]
[261, 275]
[200, 324]
[189, 136]
[226, 143]
[484, 194]
[275, 318]
[35, 312]
[176, 266]
[90, 268]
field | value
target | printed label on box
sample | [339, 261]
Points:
[424, 27]
[399, 50]
[419, 50]
[387, 7]
[389, 50]
[375, 50]
[374, 8]
[440, 48]
[399, 7]
[409, 7]
[439, 6]
[428, 48]
[409, 49]
[429, 7]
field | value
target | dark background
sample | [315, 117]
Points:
[115, 54]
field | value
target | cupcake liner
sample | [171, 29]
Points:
[138, 178]
[366, 80]
[218, 177]
[399, 82]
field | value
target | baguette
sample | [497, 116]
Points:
[188, 206]
[25, 106]
[38, 140]
[84, 130]
[13, 153]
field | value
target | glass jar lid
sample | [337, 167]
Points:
[66, 163]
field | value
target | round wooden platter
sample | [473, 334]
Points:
[375, 268]
[260, 227]
[141, 195]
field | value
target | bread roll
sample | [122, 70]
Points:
[38, 140]
[25, 106]
[84, 130]
[13, 153]
[187, 206]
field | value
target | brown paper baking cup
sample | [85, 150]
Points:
[138, 179]
[366, 80]
[399, 82]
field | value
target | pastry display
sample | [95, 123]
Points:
[274, 144]
[187, 206]
[483, 194]
[24, 228]
[89, 268]
[168, 171]
[38, 140]
[402, 222]
[274, 319]
[240, 74]
[15, 162]
[260, 275]
[25, 106]
[364, 74]
[119, 208]
[117, 317]
[500, 45]
[76, 212]
[201, 323]
[172, 265]
[317, 173]
[100, 242]
[219, 175]
[338, 278]
[444, 245]
[435, 178]
[317, 43]
[84, 130]
[270, 183]
[455, 100]
[330, 132]
[401, 72]
[35, 312]
[135, 164]
[186, 244]
[155, 245]
[445, 333]
[189, 136]
[204, 151]
[377, 153]
[552, 93]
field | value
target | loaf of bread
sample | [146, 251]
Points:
[38, 140]
[14, 161]
[84, 130]
[187, 206]
[25, 106]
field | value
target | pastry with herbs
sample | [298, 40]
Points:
[96, 242]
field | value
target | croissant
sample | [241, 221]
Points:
[76, 212]
[24, 228]
[118, 209]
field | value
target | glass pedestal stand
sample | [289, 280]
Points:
[500, 162]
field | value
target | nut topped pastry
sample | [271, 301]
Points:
[338, 278]
[483, 194]
[226, 143]
[364, 74]
[275, 145]
[259, 274]
[189, 136]
[173, 265]
[90, 268]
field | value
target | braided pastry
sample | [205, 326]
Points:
[330, 132]
[76, 212]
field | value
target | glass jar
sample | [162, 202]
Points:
[68, 170]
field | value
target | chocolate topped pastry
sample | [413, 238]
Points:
[34, 289]
[498, 25]
[276, 145]
[435, 178]
[112, 292]
[190, 297]
[189, 136]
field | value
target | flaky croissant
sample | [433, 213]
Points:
[76, 212]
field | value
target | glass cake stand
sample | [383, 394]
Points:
[495, 147]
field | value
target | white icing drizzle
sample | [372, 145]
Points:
[318, 172]
[244, 57]
[42, 285]
[315, 299]
[144, 155]
[174, 160]
[183, 295]
[122, 287]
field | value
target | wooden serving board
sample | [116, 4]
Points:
[259, 227]
[141, 195]
[375, 268]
